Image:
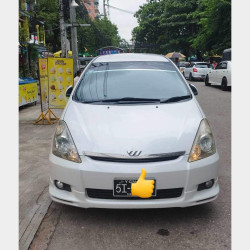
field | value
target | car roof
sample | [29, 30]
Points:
[225, 61]
[200, 62]
[128, 57]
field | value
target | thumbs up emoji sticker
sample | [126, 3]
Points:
[143, 188]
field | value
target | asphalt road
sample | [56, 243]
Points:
[201, 227]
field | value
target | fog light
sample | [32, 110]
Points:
[209, 184]
[59, 184]
[62, 185]
[205, 185]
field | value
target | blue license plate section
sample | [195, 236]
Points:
[123, 187]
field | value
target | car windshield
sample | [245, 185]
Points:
[202, 65]
[183, 64]
[131, 81]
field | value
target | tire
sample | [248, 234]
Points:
[190, 78]
[224, 84]
[207, 81]
[183, 74]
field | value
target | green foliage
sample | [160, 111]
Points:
[48, 11]
[179, 25]
[149, 30]
[33, 58]
[101, 33]
[23, 36]
[168, 24]
[187, 26]
[215, 26]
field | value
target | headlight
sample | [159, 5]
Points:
[63, 144]
[204, 144]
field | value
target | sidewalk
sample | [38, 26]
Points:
[34, 146]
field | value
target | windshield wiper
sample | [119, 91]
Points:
[136, 99]
[131, 99]
[176, 98]
[124, 99]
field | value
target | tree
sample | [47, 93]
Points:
[48, 11]
[167, 25]
[187, 26]
[147, 34]
[215, 26]
[179, 25]
[101, 33]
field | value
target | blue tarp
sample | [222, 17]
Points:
[26, 80]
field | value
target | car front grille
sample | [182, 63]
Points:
[135, 160]
[140, 159]
[108, 194]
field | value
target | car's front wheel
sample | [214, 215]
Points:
[224, 84]
[207, 81]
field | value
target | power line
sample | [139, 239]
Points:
[126, 11]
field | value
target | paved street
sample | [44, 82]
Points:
[201, 227]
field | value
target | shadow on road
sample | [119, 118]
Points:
[147, 216]
[219, 87]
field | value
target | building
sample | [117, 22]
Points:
[91, 7]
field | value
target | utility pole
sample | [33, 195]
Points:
[63, 30]
[107, 11]
[74, 46]
[104, 9]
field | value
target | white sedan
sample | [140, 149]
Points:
[221, 75]
[130, 112]
[196, 70]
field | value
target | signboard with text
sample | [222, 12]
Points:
[43, 78]
[60, 74]
[27, 91]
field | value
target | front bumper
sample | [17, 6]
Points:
[94, 174]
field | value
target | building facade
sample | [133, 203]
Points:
[92, 7]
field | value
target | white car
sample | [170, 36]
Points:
[128, 112]
[221, 75]
[183, 65]
[196, 70]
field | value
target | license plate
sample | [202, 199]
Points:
[122, 188]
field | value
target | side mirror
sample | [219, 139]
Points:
[68, 91]
[194, 89]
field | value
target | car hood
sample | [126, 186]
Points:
[150, 128]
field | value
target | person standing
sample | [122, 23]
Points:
[214, 64]
[77, 76]
[177, 63]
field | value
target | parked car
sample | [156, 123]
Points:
[226, 56]
[221, 75]
[128, 112]
[196, 70]
[183, 65]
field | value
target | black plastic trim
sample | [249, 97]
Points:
[66, 186]
[108, 194]
[203, 187]
[134, 160]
